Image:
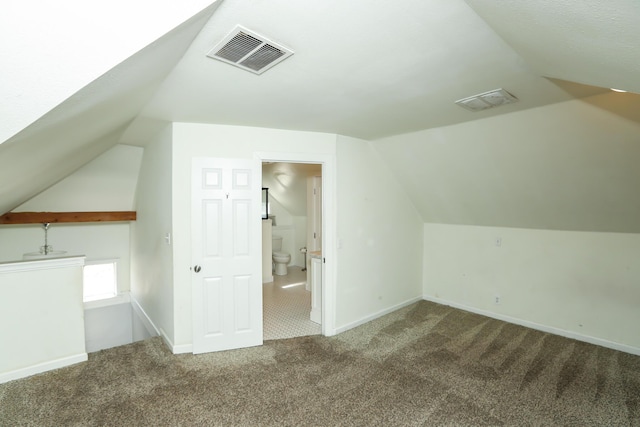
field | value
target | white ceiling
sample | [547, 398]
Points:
[588, 41]
[361, 68]
[369, 69]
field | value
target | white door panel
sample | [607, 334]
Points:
[226, 245]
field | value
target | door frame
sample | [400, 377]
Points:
[329, 226]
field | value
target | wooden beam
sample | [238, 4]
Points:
[54, 217]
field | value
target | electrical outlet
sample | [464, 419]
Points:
[498, 241]
[496, 299]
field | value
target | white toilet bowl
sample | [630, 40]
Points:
[280, 260]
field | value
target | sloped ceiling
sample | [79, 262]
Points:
[50, 50]
[593, 42]
[287, 183]
[368, 69]
[107, 183]
[567, 166]
[88, 122]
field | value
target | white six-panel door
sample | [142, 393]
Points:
[226, 252]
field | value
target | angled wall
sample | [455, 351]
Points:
[379, 243]
[578, 284]
[566, 166]
[151, 251]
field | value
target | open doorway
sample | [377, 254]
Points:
[292, 236]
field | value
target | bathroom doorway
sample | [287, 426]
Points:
[292, 233]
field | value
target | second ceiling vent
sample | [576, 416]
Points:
[249, 51]
[482, 101]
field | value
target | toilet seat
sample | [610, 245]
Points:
[280, 255]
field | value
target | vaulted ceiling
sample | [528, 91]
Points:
[71, 88]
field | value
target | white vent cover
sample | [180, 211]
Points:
[493, 98]
[249, 51]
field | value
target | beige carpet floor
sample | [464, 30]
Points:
[424, 365]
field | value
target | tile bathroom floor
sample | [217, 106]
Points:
[286, 307]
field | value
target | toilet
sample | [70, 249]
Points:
[280, 259]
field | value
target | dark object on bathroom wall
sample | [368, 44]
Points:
[265, 203]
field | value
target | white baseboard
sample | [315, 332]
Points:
[42, 367]
[316, 315]
[376, 315]
[144, 318]
[154, 331]
[175, 349]
[182, 349]
[540, 327]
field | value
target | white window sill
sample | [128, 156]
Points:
[118, 299]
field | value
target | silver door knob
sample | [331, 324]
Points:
[197, 268]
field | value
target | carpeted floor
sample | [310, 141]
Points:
[423, 365]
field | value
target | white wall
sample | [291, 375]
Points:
[108, 326]
[151, 254]
[96, 241]
[107, 183]
[379, 237]
[282, 216]
[578, 284]
[300, 240]
[267, 250]
[202, 140]
[41, 316]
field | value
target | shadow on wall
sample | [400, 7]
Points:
[112, 326]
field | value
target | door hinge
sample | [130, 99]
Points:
[324, 260]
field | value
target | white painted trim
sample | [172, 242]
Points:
[144, 318]
[154, 331]
[122, 298]
[540, 327]
[269, 280]
[175, 349]
[41, 264]
[98, 261]
[377, 314]
[43, 367]
[182, 349]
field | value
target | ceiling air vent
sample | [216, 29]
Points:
[249, 51]
[483, 101]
